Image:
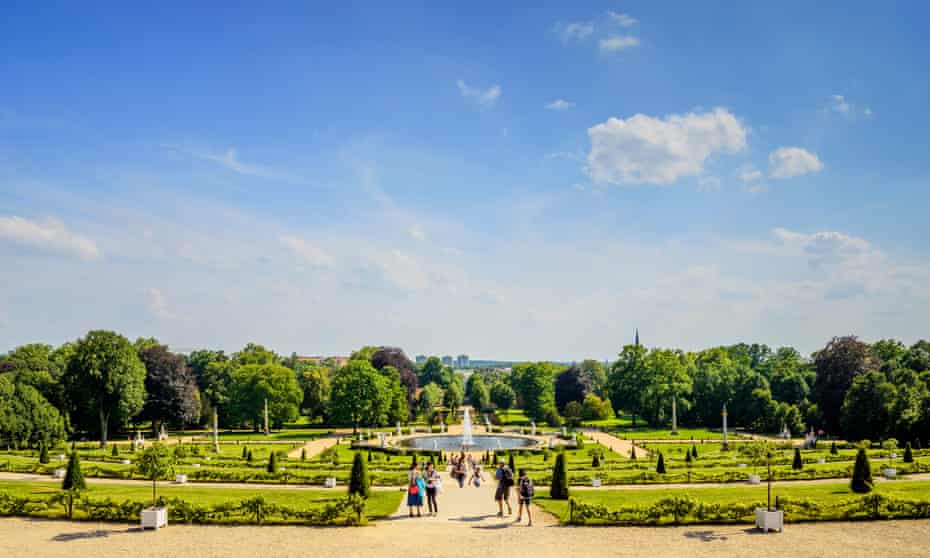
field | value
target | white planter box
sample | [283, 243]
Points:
[890, 473]
[59, 473]
[596, 482]
[62, 457]
[125, 462]
[770, 520]
[754, 479]
[195, 465]
[741, 465]
[330, 482]
[821, 461]
[153, 518]
[180, 479]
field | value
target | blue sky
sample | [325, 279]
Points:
[510, 181]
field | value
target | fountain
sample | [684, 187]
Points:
[467, 440]
[487, 424]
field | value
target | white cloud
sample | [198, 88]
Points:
[840, 105]
[618, 43]
[621, 19]
[708, 184]
[155, 301]
[749, 174]
[50, 235]
[648, 150]
[416, 232]
[757, 188]
[401, 269]
[576, 31]
[484, 97]
[309, 253]
[788, 162]
[560, 104]
[231, 161]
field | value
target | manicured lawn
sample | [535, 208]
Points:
[381, 503]
[512, 417]
[822, 494]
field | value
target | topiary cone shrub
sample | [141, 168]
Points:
[908, 455]
[688, 457]
[303, 454]
[358, 480]
[833, 450]
[273, 462]
[245, 452]
[249, 456]
[511, 465]
[595, 461]
[559, 486]
[74, 481]
[115, 451]
[369, 456]
[660, 465]
[797, 464]
[43, 453]
[633, 452]
[862, 474]
[694, 451]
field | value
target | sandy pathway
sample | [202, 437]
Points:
[315, 447]
[623, 447]
[28, 538]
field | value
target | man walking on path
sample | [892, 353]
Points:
[504, 478]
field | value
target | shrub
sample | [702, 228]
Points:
[797, 464]
[273, 462]
[546, 455]
[303, 454]
[155, 462]
[660, 465]
[115, 451]
[248, 456]
[358, 480]
[511, 465]
[833, 450]
[558, 489]
[74, 481]
[579, 441]
[595, 461]
[862, 474]
[688, 457]
[908, 455]
[633, 452]
[43, 453]
[694, 451]
[245, 452]
[552, 418]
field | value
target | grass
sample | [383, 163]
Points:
[380, 504]
[823, 494]
[512, 417]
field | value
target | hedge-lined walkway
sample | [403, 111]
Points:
[28, 538]
[617, 445]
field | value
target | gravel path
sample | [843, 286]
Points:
[28, 538]
[619, 445]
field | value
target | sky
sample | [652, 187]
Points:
[508, 180]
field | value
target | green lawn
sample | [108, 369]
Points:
[512, 417]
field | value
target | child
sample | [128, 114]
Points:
[525, 492]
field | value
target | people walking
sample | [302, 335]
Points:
[415, 489]
[460, 472]
[504, 477]
[477, 476]
[433, 484]
[525, 493]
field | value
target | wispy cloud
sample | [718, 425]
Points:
[620, 19]
[228, 159]
[416, 232]
[560, 104]
[484, 97]
[574, 31]
[157, 305]
[307, 252]
[840, 104]
[618, 43]
[788, 162]
[49, 235]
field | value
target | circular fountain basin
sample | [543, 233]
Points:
[448, 443]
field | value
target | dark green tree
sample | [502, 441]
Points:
[908, 454]
[115, 451]
[694, 453]
[73, 482]
[559, 487]
[838, 364]
[797, 464]
[833, 450]
[273, 462]
[43, 452]
[511, 465]
[862, 474]
[660, 465]
[358, 480]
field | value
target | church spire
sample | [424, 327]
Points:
[636, 338]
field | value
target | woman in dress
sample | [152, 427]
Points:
[415, 489]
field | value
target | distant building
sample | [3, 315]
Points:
[462, 361]
[447, 360]
[421, 359]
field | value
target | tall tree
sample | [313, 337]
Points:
[598, 374]
[253, 384]
[837, 365]
[393, 356]
[172, 393]
[534, 383]
[104, 380]
[432, 372]
[571, 384]
[867, 408]
[627, 381]
[502, 395]
[315, 381]
[359, 395]
[430, 398]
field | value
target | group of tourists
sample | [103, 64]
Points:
[424, 483]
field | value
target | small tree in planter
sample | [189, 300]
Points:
[660, 465]
[862, 474]
[358, 480]
[688, 461]
[73, 482]
[559, 486]
[273, 462]
[908, 454]
[156, 462]
[797, 464]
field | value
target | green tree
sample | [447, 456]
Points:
[478, 393]
[359, 395]
[559, 487]
[430, 398]
[104, 380]
[862, 474]
[253, 384]
[867, 408]
[908, 454]
[797, 464]
[433, 372]
[254, 353]
[534, 383]
[596, 372]
[273, 462]
[595, 408]
[316, 383]
[170, 387]
[26, 417]
[573, 414]
[73, 482]
[358, 479]
[660, 464]
[156, 462]
[571, 384]
[502, 395]
[840, 362]
[628, 380]
[454, 395]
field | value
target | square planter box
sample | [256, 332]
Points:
[596, 482]
[59, 473]
[770, 520]
[195, 465]
[153, 518]
[330, 482]
[890, 473]
[821, 461]
[754, 479]
[180, 479]
[125, 462]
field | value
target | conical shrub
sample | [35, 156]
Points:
[303, 454]
[273, 462]
[43, 453]
[358, 480]
[862, 474]
[694, 451]
[74, 477]
[833, 450]
[558, 489]
[908, 454]
[797, 464]
[660, 465]
[115, 451]
[595, 461]
[511, 465]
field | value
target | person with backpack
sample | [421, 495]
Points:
[504, 478]
[525, 493]
[433, 484]
[415, 489]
